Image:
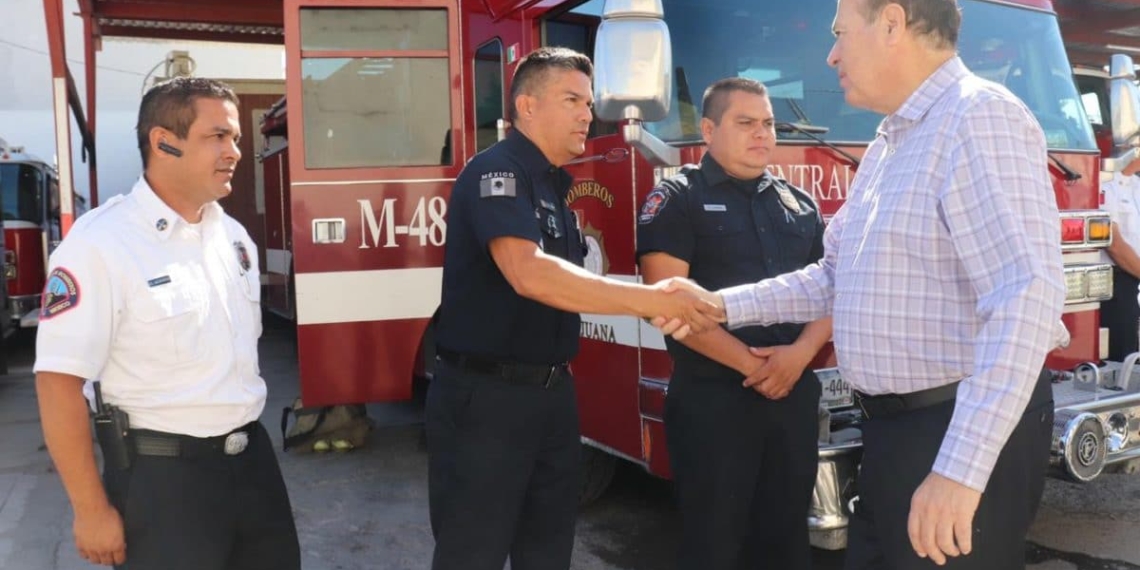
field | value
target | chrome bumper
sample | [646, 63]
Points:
[1096, 425]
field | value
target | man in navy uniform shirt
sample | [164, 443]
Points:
[741, 425]
[502, 422]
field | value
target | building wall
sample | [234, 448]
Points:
[26, 95]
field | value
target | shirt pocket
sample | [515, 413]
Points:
[251, 291]
[1126, 220]
[251, 287]
[722, 237]
[795, 236]
[171, 322]
[553, 229]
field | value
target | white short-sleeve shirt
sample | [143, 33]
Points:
[1122, 201]
[164, 313]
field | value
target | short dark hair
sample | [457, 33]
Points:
[534, 68]
[170, 105]
[938, 19]
[715, 101]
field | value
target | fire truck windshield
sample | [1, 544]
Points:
[785, 45]
[21, 191]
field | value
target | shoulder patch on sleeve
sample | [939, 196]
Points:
[61, 294]
[493, 184]
[654, 202]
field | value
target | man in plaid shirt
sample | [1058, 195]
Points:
[943, 275]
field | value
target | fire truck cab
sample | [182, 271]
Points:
[29, 198]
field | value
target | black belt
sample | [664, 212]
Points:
[523, 373]
[886, 405]
[163, 444]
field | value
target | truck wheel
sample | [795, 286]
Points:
[597, 473]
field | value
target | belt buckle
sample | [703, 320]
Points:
[236, 442]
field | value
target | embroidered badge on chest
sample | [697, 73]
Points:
[61, 294]
[242, 256]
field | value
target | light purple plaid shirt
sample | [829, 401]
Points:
[944, 264]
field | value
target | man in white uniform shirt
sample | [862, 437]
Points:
[1121, 314]
[154, 300]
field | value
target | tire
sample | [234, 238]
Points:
[597, 472]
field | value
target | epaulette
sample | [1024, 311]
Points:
[682, 179]
[91, 216]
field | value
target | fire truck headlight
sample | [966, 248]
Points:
[1075, 285]
[1100, 283]
[1088, 283]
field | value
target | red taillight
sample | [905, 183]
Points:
[1073, 230]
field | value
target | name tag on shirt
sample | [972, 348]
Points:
[158, 281]
[715, 208]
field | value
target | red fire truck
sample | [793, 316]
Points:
[29, 197]
[386, 100]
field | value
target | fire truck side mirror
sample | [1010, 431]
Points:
[633, 62]
[1124, 102]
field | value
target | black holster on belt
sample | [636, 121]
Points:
[111, 426]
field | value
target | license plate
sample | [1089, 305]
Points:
[836, 392]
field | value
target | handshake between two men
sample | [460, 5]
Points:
[688, 309]
[692, 316]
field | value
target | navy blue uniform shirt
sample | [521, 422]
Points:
[730, 232]
[509, 190]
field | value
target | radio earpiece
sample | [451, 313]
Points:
[172, 151]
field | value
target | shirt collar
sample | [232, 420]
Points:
[920, 102]
[160, 217]
[714, 174]
[526, 151]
